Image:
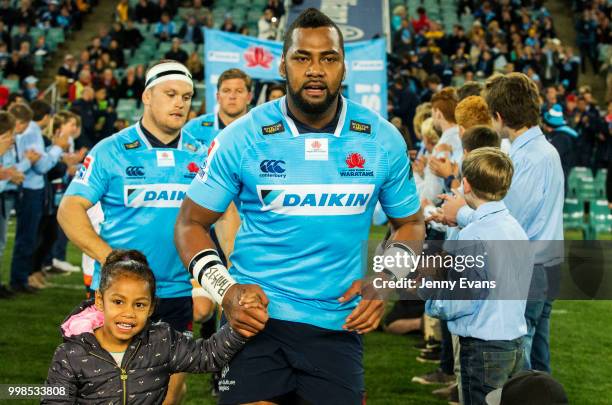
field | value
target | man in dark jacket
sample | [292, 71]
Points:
[562, 137]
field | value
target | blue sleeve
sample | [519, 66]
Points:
[219, 178]
[449, 310]
[48, 160]
[398, 195]
[464, 216]
[92, 179]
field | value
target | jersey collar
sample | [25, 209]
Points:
[146, 142]
[293, 127]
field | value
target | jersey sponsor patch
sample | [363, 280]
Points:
[132, 145]
[315, 199]
[273, 129]
[272, 168]
[82, 176]
[165, 158]
[361, 127]
[154, 195]
[203, 173]
[316, 149]
[207, 123]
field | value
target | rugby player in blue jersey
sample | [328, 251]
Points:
[308, 170]
[140, 176]
[233, 98]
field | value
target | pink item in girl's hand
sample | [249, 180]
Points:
[83, 322]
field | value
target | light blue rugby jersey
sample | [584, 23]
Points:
[203, 128]
[307, 203]
[141, 189]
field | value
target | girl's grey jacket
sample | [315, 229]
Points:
[91, 376]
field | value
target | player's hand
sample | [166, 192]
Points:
[32, 156]
[451, 206]
[369, 312]
[246, 321]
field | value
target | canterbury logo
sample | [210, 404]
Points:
[272, 166]
[135, 171]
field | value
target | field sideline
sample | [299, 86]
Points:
[580, 331]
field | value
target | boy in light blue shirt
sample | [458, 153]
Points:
[490, 328]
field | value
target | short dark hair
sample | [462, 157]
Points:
[480, 136]
[275, 86]
[310, 18]
[40, 108]
[7, 122]
[235, 73]
[470, 88]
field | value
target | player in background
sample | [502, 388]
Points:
[233, 98]
[308, 170]
[140, 176]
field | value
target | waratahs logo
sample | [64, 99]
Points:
[315, 199]
[355, 163]
[258, 56]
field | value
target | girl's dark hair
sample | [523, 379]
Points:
[130, 263]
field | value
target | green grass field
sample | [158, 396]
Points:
[580, 341]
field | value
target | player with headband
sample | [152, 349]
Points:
[140, 176]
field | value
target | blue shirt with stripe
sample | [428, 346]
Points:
[141, 189]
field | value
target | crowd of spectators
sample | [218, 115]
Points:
[504, 37]
[24, 27]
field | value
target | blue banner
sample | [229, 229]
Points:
[366, 61]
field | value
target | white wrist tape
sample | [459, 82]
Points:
[400, 260]
[208, 269]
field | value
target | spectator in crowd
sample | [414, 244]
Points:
[110, 83]
[562, 137]
[104, 114]
[132, 36]
[275, 91]
[85, 108]
[95, 49]
[122, 11]
[31, 91]
[21, 36]
[5, 36]
[586, 37]
[7, 13]
[76, 88]
[191, 31]
[165, 28]
[228, 24]
[36, 163]
[130, 86]
[116, 54]
[176, 52]
[118, 33]
[277, 7]
[10, 179]
[25, 13]
[41, 48]
[195, 66]
[267, 25]
[146, 12]
[17, 66]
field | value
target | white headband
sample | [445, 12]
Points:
[167, 71]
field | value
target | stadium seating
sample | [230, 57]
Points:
[600, 219]
[573, 216]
